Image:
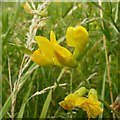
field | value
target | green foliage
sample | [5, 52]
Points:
[15, 25]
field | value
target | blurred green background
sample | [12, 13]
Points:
[59, 16]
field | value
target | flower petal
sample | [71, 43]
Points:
[62, 55]
[71, 97]
[69, 102]
[53, 38]
[41, 59]
[80, 101]
[67, 105]
[45, 46]
[77, 37]
[92, 107]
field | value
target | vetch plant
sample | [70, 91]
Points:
[88, 103]
[51, 53]
[57, 69]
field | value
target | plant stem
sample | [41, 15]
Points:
[106, 57]
[85, 79]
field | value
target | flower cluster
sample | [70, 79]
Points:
[90, 104]
[51, 53]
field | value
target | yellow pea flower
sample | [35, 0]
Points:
[51, 53]
[69, 102]
[77, 37]
[71, 99]
[91, 105]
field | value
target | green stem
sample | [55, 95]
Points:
[81, 73]
[59, 77]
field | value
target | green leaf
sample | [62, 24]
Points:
[106, 31]
[103, 92]
[22, 109]
[46, 105]
[5, 107]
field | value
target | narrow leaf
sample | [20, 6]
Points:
[5, 107]
[46, 105]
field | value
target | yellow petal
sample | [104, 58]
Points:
[80, 101]
[41, 59]
[71, 97]
[54, 43]
[45, 47]
[67, 105]
[53, 38]
[92, 107]
[69, 102]
[62, 55]
[77, 37]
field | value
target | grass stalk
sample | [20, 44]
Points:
[106, 57]
[103, 93]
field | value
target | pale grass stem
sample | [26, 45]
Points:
[9, 74]
[46, 89]
[106, 57]
[35, 24]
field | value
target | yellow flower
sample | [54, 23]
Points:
[69, 102]
[51, 53]
[91, 105]
[77, 37]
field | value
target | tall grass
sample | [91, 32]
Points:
[31, 91]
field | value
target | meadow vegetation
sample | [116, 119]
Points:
[32, 91]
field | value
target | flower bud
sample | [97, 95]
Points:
[27, 7]
[81, 91]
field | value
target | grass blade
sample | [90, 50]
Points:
[103, 92]
[46, 105]
[21, 111]
[5, 107]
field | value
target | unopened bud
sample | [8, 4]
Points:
[81, 91]
[92, 94]
[27, 7]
